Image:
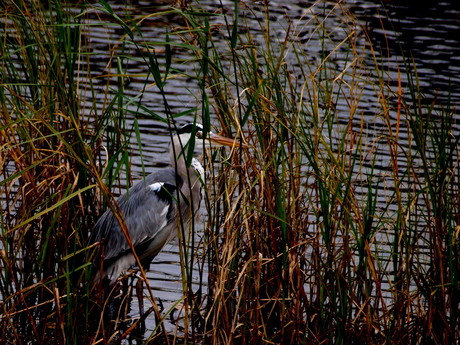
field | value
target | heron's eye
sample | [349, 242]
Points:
[199, 134]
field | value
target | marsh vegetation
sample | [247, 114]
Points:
[340, 225]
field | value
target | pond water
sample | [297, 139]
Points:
[429, 33]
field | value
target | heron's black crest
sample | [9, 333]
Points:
[189, 128]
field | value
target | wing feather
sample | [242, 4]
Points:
[149, 210]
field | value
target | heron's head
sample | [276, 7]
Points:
[192, 133]
[192, 137]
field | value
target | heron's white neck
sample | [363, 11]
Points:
[178, 153]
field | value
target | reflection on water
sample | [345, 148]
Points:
[427, 32]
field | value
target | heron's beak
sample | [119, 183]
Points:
[224, 141]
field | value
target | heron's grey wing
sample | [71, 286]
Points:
[149, 210]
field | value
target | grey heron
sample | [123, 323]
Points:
[154, 208]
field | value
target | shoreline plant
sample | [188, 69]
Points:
[339, 226]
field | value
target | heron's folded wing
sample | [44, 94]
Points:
[147, 210]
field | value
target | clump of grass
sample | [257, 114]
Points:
[310, 239]
[337, 226]
[57, 130]
[51, 166]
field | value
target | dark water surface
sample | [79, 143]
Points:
[427, 32]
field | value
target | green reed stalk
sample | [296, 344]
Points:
[438, 150]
